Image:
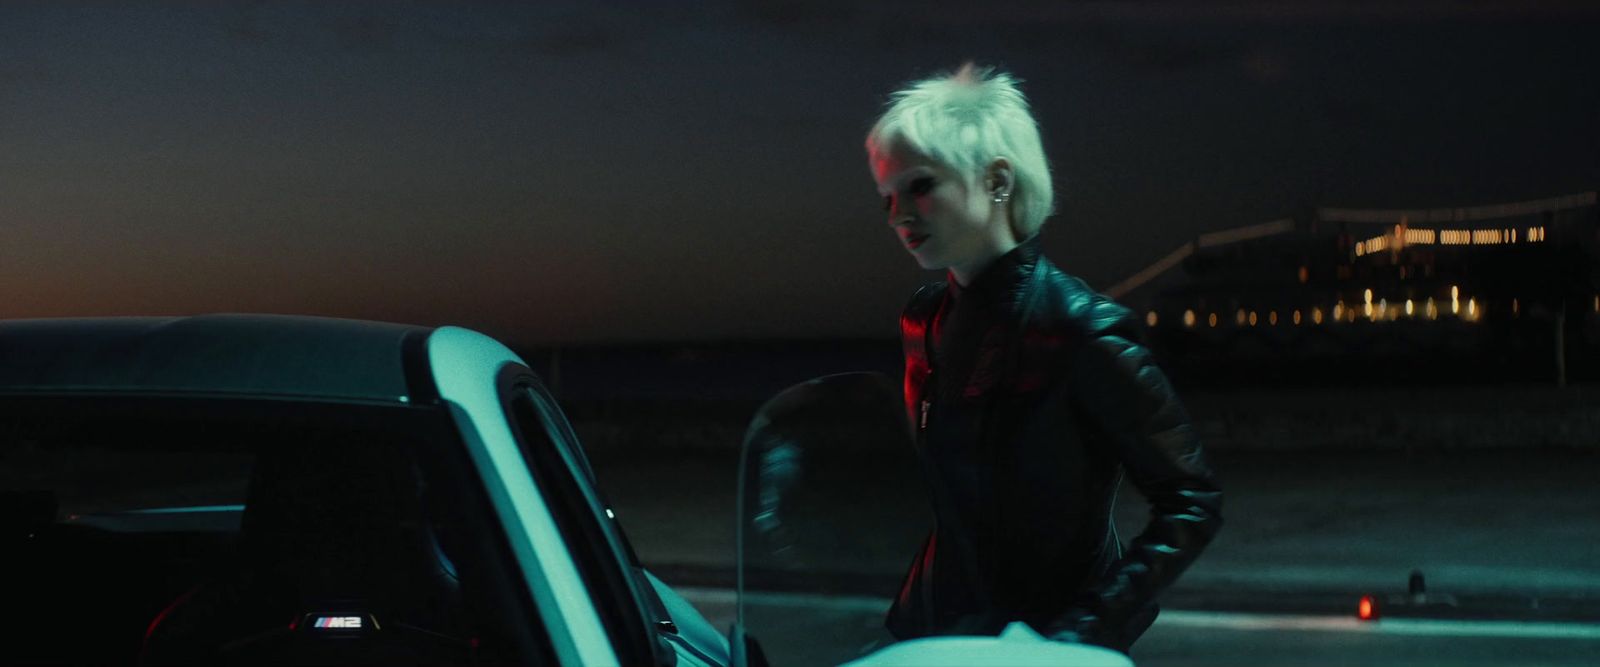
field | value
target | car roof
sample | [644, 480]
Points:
[315, 358]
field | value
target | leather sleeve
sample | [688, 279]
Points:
[1118, 389]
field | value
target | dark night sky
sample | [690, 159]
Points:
[614, 171]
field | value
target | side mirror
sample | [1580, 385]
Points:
[828, 484]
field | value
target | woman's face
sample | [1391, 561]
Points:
[941, 219]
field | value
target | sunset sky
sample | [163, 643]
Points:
[624, 171]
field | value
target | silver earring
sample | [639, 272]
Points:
[1002, 197]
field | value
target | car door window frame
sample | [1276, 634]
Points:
[560, 469]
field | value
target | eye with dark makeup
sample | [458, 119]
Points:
[917, 188]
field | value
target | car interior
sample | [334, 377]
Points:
[339, 546]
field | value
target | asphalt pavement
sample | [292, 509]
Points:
[1489, 524]
[808, 629]
[1505, 537]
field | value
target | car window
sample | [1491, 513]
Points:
[191, 533]
[97, 475]
[597, 547]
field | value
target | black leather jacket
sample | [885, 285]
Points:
[1030, 397]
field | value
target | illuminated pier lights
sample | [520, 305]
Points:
[1403, 236]
[1379, 309]
[1373, 308]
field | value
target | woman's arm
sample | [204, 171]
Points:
[1117, 387]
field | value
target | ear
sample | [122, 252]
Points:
[998, 177]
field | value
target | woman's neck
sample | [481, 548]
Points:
[966, 272]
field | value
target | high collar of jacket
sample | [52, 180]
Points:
[1003, 281]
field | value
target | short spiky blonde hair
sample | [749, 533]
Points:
[965, 120]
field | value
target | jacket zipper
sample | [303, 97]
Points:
[930, 618]
[927, 385]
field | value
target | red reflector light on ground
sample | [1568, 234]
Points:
[1367, 609]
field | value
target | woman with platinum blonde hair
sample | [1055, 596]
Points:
[1030, 394]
